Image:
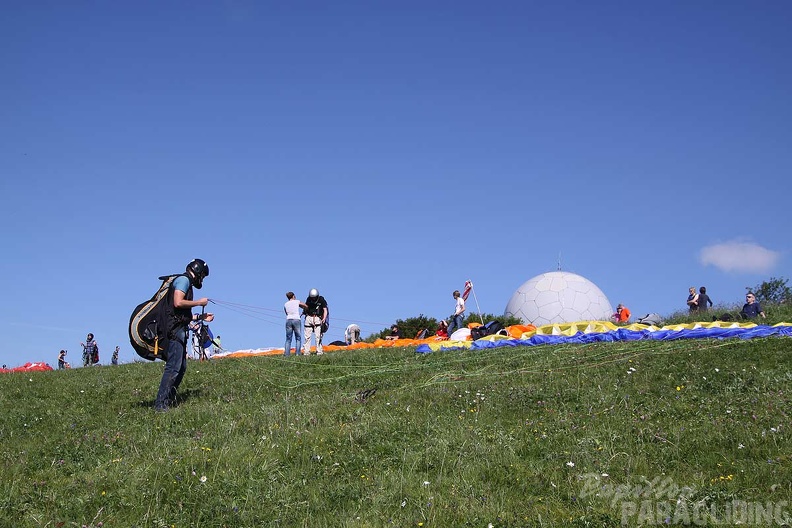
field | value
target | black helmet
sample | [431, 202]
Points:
[199, 271]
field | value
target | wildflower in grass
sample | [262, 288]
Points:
[203, 478]
[426, 483]
[740, 446]
[570, 464]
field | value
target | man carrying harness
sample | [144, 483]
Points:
[315, 319]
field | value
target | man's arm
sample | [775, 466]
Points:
[180, 302]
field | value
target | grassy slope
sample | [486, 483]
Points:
[448, 439]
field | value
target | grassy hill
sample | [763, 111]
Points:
[637, 432]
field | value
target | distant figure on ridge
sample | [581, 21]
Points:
[62, 360]
[114, 359]
[90, 351]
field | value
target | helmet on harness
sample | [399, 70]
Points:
[200, 270]
[313, 293]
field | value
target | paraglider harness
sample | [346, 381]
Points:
[315, 310]
[153, 322]
[203, 335]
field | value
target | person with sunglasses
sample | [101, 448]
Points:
[751, 308]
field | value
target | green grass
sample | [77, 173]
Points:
[508, 436]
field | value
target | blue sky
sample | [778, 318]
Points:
[383, 153]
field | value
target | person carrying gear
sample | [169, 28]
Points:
[315, 315]
[178, 309]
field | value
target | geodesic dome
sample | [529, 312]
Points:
[559, 297]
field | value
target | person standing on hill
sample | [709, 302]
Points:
[293, 324]
[751, 308]
[90, 351]
[62, 360]
[459, 311]
[315, 316]
[178, 308]
[692, 300]
[114, 359]
[704, 302]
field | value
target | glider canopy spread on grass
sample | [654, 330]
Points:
[552, 334]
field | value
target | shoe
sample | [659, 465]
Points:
[319, 353]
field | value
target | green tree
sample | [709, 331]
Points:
[773, 291]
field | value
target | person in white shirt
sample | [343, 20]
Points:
[293, 324]
[352, 334]
[459, 311]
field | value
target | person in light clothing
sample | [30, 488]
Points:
[352, 334]
[459, 311]
[293, 324]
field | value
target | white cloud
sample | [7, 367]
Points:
[739, 256]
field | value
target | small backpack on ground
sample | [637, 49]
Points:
[148, 331]
[492, 327]
[651, 319]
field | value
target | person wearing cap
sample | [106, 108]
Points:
[315, 315]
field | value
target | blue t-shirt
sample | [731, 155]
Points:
[181, 283]
[751, 310]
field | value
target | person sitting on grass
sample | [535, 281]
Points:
[442, 329]
[395, 333]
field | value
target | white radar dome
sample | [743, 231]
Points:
[559, 297]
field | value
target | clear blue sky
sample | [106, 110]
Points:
[383, 152]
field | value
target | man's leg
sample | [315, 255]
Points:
[318, 331]
[289, 332]
[175, 367]
[309, 328]
[297, 335]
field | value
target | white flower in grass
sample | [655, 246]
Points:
[203, 478]
[570, 464]
[740, 446]
[426, 482]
